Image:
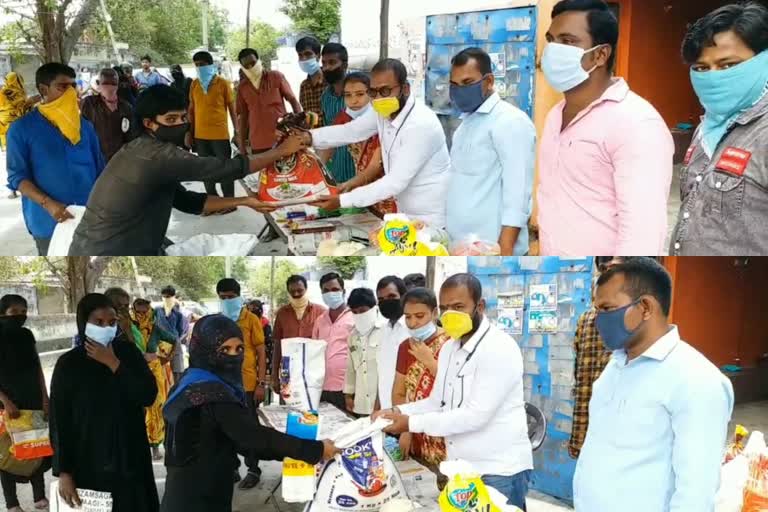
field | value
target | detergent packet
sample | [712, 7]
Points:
[302, 373]
[298, 476]
[466, 491]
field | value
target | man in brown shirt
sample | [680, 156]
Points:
[313, 86]
[112, 117]
[261, 98]
[294, 320]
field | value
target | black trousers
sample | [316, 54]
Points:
[251, 460]
[218, 149]
[9, 488]
[335, 398]
[42, 246]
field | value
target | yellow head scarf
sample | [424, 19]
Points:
[64, 114]
[13, 89]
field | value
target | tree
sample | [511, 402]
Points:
[195, 278]
[260, 280]
[320, 18]
[9, 267]
[78, 275]
[346, 266]
[263, 38]
[384, 30]
[52, 27]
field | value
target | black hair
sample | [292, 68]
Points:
[421, 296]
[603, 25]
[228, 285]
[203, 56]
[141, 302]
[336, 49]
[415, 281]
[47, 73]
[109, 72]
[246, 52]
[466, 280]
[393, 65]
[115, 292]
[11, 300]
[388, 280]
[256, 302]
[360, 297]
[308, 43]
[643, 276]
[168, 290]
[158, 100]
[296, 279]
[87, 305]
[747, 20]
[479, 55]
[147, 58]
[358, 77]
[330, 276]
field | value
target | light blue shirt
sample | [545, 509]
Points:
[657, 432]
[491, 182]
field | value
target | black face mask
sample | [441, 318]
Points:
[334, 76]
[229, 368]
[13, 321]
[258, 312]
[391, 309]
[176, 135]
[178, 76]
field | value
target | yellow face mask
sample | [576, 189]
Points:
[456, 323]
[385, 107]
[64, 114]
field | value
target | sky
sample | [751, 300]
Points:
[264, 10]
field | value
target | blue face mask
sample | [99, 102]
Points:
[334, 300]
[424, 332]
[612, 328]
[310, 66]
[206, 74]
[468, 98]
[726, 94]
[231, 308]
[101, 335]
[354, 114]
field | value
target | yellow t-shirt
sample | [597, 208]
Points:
[211, 109]
[253, 336]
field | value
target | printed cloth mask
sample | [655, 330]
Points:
[310, 66]
[175, 134]
[64, 114]
[423, 333]
[101, 335]
[562, 67]
[206, 74]
[385, 107]
[391, 309]
[334, 300]
[255, 74]
[612, 329]
[168, 304]
[468, 98]
[726, 94]
[365, 322]
[457, 323]
[231, 308]
[299, 304]
[354, 114]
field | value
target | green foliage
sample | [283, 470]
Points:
[320, 18]
[10, 268]
[195, 278]
[263, 39]
[347, 266]
[260, 280]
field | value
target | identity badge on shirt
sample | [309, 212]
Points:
[126, 125]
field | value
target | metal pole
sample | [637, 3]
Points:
[272, 287]
[204, 6]
[108, 20]
[227, 266]
[431, 264]
[384, 30]
[248, 25]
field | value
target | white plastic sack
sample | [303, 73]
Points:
[362, 477]
[65, 232]
[302, 373]
[215, 245]
[298, 476]
[733, 479]
[93, 501]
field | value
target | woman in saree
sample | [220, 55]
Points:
[13, 103]
[367, 154]
[417, 368]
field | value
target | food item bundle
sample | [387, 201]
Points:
[302, 372]
[466, 491]
[737, 446]
[400, 236]
[29, 433]
[8, 461]
[756, 490]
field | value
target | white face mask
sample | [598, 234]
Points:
[100, 335]
[354, 114]
[365, 322]
[562, 67]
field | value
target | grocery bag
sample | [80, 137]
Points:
[466, 491]
[93, 501]
[302, 373]
[298, 476]
[362, 477]
[215, 245]
[756, 490]
[8, 462]
[29, 434]
[65, 232]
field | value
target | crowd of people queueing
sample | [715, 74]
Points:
[600, 190]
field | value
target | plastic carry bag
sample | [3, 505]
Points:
[8, 462]
[362, 477]
[299, 476]
[29, 433]
[740, 483]
[92, 501]
[215, 245]
[65, 232]
[466, 491]
[302, 373]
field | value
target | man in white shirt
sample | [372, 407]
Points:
[477, 401]
[414, 152]
[389, 292]
[361, 383]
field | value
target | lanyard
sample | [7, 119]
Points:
[458, 373]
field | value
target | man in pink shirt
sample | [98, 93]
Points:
[334, 327]
[605, 162]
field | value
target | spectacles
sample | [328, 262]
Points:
[384, 92]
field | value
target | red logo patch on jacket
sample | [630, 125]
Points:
[734, 161]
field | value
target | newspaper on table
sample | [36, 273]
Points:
[331, 418]
[92, 501]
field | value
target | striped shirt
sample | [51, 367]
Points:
[341, 165]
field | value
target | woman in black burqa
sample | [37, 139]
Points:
[98, 394]
[22, 388]
[207, 424]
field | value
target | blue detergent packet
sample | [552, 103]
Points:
[365, 467]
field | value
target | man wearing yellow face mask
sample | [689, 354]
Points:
[54, 156]
[415, 155]
[477, 401]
